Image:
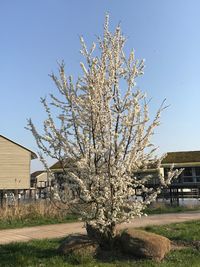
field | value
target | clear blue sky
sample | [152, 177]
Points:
[35, 34]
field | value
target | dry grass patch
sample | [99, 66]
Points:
[36, 213]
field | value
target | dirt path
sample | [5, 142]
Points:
[61, 230]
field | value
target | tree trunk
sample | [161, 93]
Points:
[105, 239]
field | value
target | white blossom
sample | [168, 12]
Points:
[102, 134]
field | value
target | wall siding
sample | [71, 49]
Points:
[14, 166]
[41, 179]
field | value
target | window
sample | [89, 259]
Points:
[197, 170]
[187, 172]
[188, 180]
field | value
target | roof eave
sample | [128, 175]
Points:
[33, 155]
[182, 165]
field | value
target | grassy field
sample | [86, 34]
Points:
[35, 221]
[43, 253]
[160, 208]
[40, 214]
[188, 231]
[45, 213]
[33, 214]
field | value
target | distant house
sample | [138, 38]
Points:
[57, 169]
[15, 161]
[187, 185]
[39, 179]
[189, 160]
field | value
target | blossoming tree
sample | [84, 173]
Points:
[101, 137]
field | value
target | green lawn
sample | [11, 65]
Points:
[43, 253]
[35, 221]
[160, 209]
[44, 212]
[188, 231]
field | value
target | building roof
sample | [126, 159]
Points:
[182, 157]
[33, 155]
[55, 166]
[58, 165]
[36, 173]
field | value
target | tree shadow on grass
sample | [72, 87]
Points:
[115, 255]
[34, 253]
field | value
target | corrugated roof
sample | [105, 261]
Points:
[182, 157]
[33, 155]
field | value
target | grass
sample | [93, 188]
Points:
[43, 213]
[161, 208]
[187, 231]
[41, 253]
[38, 220]
[33, 214]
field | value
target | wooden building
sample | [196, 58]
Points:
[190, 161]
[39, 179]
[15, 161]
[187, 185]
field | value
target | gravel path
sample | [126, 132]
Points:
[61, 230]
